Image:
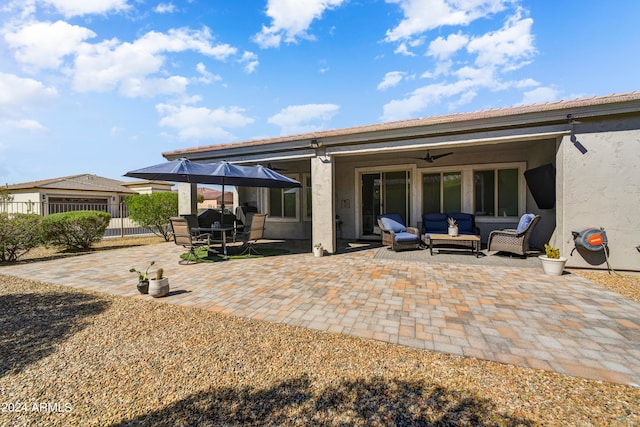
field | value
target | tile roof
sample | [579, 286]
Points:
[431, 120]
[82, 182]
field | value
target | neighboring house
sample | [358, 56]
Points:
[213, 198]
[586, 150]
[77, 192]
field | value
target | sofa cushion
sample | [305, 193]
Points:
[435, 223]
[393, 222]
[524, 222]
[464, 221]
[406, 237]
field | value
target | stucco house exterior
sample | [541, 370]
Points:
[572, 162]
[82, 191]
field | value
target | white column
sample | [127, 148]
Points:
[323, 204]
[187, 198]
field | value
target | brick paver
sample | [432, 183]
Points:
[514, 315]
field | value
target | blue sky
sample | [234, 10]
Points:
[105, 86]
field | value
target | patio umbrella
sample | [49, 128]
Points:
[220, 173]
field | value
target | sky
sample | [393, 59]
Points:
[106, 86]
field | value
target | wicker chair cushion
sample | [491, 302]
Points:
[525, 220]
[393, 222]
[406, 237]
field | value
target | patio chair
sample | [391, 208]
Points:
[182, 236]
[515, 241]
[396, 234]
[252, 232]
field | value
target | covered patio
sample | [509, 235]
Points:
[509, 313]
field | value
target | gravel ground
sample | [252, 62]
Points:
[71, 357]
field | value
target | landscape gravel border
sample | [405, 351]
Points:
[81, 358]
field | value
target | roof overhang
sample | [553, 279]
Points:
[525, 123]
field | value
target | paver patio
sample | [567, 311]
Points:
[509, 314]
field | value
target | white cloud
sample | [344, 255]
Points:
[540, 94]
[428, 95]
[45, 44]
[468, 63]
[508, 47]
[206, 76]
[149, 87]
[202, 123]
[425, 15]
[250, 61]
[165, 8]
[300, 118]
[17, 92]
[443, 49]
[71, 8]
[24, 124]
[291, 20]
[391, 79]
[110, 64]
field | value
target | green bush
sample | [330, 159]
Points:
[153, 211]
[19, 233]
[75, 230]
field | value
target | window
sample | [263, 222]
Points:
[442, 192]
[283, 202]
[496, 192]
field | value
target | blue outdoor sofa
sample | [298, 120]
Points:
[436, 223]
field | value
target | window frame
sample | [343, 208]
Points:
[267, 198]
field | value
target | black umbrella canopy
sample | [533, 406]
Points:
[221, 173]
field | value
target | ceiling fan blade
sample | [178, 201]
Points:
[438, 156]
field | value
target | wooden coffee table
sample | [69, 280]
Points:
[465, 240]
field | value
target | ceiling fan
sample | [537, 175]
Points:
[275, 169]
[430, 159]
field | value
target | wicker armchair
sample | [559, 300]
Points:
[515, 241]
[396, 234]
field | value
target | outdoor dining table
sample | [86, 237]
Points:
[212, 229]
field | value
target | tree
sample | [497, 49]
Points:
[153, 211]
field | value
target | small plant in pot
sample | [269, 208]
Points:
[143, 278]
[159, 286]
[453, 227]
[318, 250]
[552, 263]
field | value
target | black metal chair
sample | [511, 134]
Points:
[253, 231]
[182, 236]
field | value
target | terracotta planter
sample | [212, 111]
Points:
[143, 286]
[159, 287]
[553, 266]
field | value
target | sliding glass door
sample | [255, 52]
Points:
[384, 192]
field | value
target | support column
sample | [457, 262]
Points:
[187, 198]
[322, 203]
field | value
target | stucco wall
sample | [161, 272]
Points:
[601, 188]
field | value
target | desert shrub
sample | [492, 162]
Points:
[19, 233]
[152, 211]
[75, 230]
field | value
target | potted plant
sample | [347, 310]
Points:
[159, 286]
[143, 278]
[318, 250]
[453, 227]
[552, 262]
